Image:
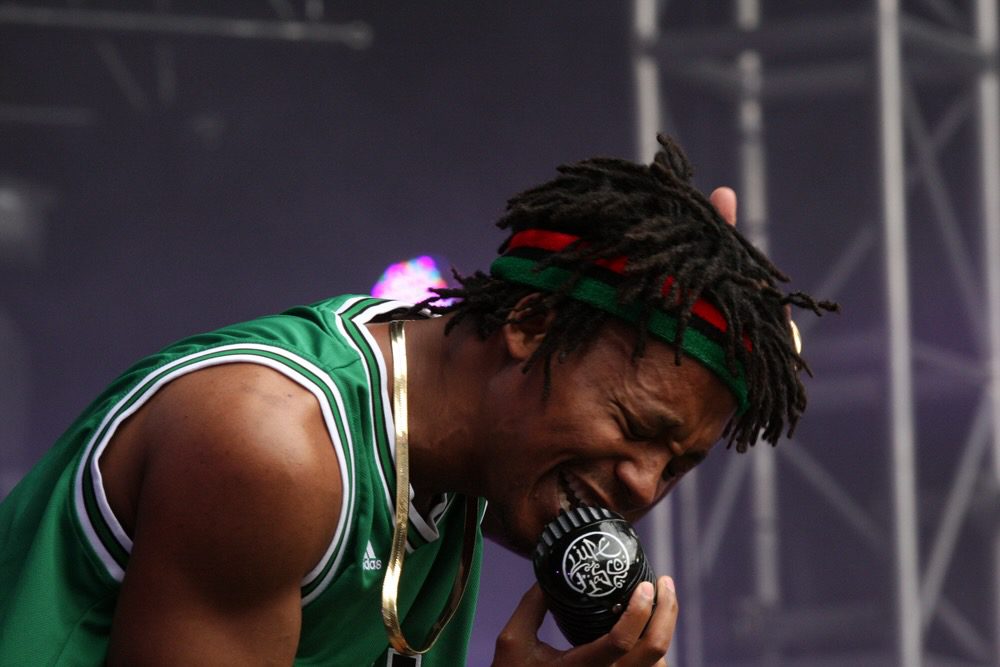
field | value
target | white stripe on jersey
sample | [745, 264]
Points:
[427, 530]
[116, 416]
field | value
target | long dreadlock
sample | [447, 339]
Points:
[666, 228]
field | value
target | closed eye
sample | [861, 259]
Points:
[657, 427]
[631, 428]
[636, 432]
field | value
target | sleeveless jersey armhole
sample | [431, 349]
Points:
[101, 529]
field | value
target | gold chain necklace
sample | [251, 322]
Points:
[390, 585]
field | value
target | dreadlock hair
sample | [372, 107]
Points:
[668, 231]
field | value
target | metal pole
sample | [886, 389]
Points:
[122, 75]
[753, 194]
[988, 94]
[646, 78]
[646, 73]
[753, 166]
[989, 156]
[827, 486]
[720, 512]
[693, 626]
[356, 35]
[890, 95]
[945, 216]
[47, 115]
[956, 507]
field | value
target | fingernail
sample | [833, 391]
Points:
[670, 585]
[646, 590]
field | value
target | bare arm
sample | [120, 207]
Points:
[238, 497]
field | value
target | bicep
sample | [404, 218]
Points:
[239, 499]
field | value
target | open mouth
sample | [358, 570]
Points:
[573, 493]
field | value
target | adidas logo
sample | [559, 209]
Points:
[371, 562]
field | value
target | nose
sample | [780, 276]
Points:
[643, 479]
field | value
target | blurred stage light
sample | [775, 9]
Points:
[23, 210]
[410, 280]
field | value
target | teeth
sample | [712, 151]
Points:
[579, 491]
[564, 503]
[573, 493]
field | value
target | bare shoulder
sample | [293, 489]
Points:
[250, 446]
[238, 498]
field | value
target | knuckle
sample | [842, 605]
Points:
[659, 644]
[656, 640]
[622, 641]
[506, 639]
[656, 643]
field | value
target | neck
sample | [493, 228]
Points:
[441, 398]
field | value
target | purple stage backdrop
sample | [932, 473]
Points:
[157, 185]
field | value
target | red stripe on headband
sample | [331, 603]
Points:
[704, 310]
[543, 239]
[557, 241]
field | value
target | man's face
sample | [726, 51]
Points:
[612, 432]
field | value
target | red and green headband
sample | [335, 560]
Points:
[704, 337]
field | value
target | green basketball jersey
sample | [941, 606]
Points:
[63, 553]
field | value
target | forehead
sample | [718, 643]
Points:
[655, 380]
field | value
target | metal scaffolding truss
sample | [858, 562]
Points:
[885, 54]
[102, 26]
[273, 20]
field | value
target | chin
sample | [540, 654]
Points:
[498, 530]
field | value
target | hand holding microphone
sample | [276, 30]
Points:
[594, 578]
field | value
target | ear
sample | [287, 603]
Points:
[523, 336]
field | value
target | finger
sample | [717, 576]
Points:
[623, 636]
[660, 632]
[528, 616]
[518, 642]
[724, 201]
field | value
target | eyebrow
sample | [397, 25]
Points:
[662, 421]
[659, 419]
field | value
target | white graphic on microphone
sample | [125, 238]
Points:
[596, 564]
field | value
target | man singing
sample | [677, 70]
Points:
[231, 500]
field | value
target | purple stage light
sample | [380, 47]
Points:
[410, 280]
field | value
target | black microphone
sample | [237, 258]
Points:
[588, 561]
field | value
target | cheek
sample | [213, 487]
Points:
[580, 437]
[538, 424]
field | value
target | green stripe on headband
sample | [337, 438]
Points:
[604, 297]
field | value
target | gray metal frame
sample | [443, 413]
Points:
[163, 23]
[285, 26]
[304, 22]
[890, 47]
